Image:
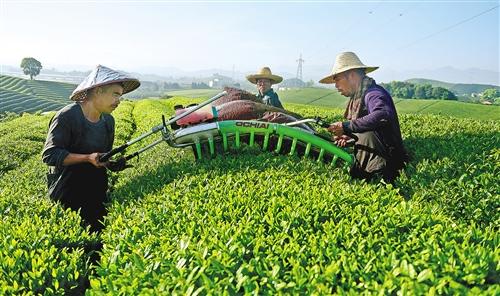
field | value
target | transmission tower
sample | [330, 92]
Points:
[299, 67]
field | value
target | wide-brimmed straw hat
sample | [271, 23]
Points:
[266, 74]
[346, 61]
[100, 76]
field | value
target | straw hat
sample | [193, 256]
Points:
[100, 76]
[346, 61]
[266, 74]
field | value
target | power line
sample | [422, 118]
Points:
[379, 28]
[447, 28]
[421, 39]
[344, 32]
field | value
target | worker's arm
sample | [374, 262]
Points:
[379, 114]
[74, 158]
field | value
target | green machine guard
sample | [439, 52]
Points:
[269, 136]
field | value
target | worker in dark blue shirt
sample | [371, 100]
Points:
[264, 79]
[78, 134]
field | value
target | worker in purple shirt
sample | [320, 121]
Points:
[371, 119]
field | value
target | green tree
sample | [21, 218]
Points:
[401, 92]
[387, 86]
[406, 90]
[428, 91]
[490, 94]
[31, 67]
[419, 92]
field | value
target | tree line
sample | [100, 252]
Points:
[407, 90]
[199, 85]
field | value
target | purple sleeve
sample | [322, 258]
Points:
[379, 113]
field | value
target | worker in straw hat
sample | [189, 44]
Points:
[264, 79]
[371, 119]
[78, 134]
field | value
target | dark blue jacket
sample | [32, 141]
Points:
[270, 98]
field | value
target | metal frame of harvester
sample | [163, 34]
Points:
[208, 139]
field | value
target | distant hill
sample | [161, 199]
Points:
[331, 98]
[22, 95]
[460, 89]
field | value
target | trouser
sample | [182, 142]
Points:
[371, 158]
[81, 188]
[92, 211]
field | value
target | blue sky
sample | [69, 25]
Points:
[398, 36]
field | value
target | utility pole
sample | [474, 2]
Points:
[299, 67]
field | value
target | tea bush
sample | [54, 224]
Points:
[256, 223]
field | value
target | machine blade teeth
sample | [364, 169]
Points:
[294, 145]
[211, 146]
[252, 139]
[334, 160]
[224, 141]
[308, 149]
[280, 143]
[266, 142]
[198, 149]
[211, 140]
[237, 139]
[320, 156]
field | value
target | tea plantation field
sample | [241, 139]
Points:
[258, 223]
[331, 98]
[21, 95]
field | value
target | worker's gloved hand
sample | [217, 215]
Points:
[94, 160]
[118, 165]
